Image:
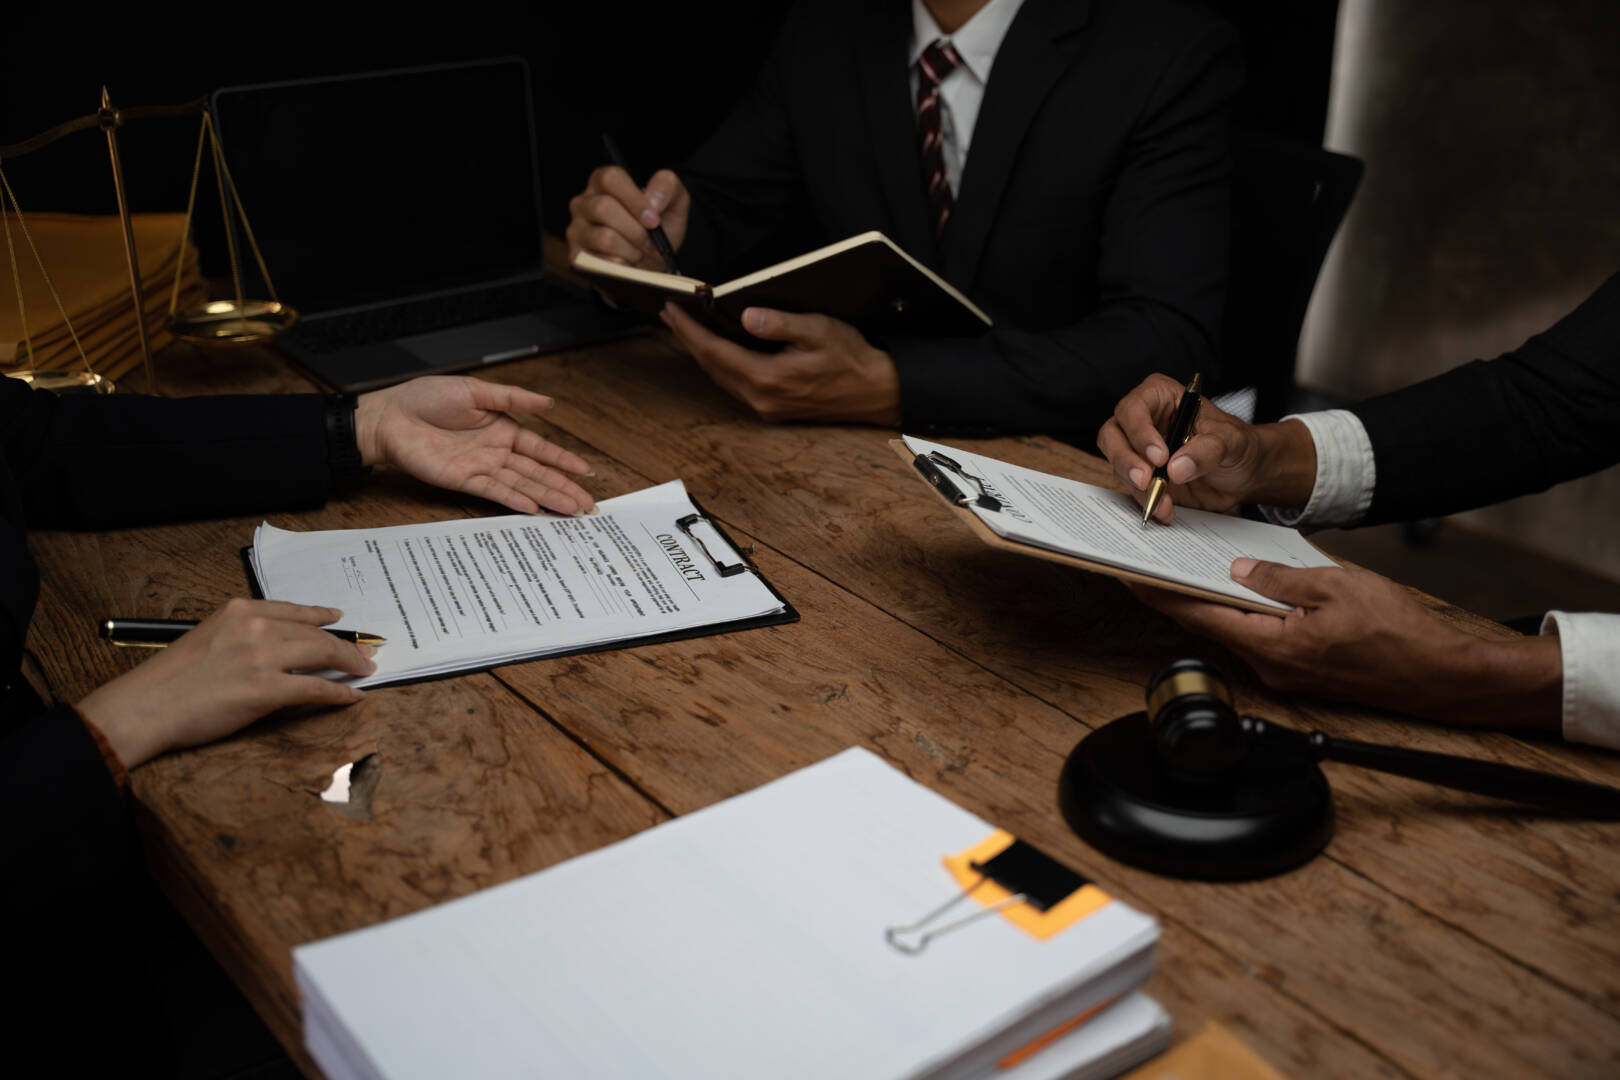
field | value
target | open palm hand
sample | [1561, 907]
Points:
[458, 433]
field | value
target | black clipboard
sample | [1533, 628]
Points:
[788, 614]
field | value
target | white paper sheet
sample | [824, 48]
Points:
[744, 940]
[456, 595]
[1105, 526]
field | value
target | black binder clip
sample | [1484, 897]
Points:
[1032, 876]
[929, 465]
[726, 569]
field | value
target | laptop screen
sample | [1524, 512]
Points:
[387, 186]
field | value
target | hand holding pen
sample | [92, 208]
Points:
[249, 658]
[616, 219]
[1219, 463]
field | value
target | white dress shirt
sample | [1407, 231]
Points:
[1589, 643]
[960, 93]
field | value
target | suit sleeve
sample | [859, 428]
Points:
[745, 180]
[123, 460]
[1161, 281]
[1495, 429]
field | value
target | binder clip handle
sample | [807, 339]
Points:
[894, 935]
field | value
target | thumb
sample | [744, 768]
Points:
[662, 189]
[1300, 586]
[772, 325]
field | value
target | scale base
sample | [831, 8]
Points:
[1270, 813]
[65, 382]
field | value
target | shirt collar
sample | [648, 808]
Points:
[976, 41]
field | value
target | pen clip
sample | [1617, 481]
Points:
[929, 465]
[686, 523]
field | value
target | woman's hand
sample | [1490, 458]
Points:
[454, 432]
[239, 664]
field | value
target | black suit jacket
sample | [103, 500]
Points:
[75, 898]
[1091, 217]
[1493, 429]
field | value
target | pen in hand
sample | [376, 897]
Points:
[1180, 431]
[660, 241]
[156, 633]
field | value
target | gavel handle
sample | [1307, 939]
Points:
[1530, 786]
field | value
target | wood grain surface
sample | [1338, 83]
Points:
[1438, 935]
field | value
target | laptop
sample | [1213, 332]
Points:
[399, 212]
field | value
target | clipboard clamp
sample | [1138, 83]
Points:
[741, 566]
[930, 465]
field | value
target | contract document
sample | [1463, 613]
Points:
[1101, 529]
[462, 595]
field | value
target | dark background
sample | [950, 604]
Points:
[660, 78]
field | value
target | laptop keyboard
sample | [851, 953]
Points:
[439, 313]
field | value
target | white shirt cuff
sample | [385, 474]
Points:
[1345, 474]
[1590, 645]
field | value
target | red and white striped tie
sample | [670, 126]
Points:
[936, 62]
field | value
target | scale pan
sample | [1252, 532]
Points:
[66, 382]
[223, 324]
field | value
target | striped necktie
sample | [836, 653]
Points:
[936, 62]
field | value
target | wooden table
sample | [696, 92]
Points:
[1438, 935]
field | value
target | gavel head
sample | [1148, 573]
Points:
[1195, 727]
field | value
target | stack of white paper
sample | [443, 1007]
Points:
[744, 940]
[460, 595]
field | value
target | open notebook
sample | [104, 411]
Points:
[744, 940]
[867, 280]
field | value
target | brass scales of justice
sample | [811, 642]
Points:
[216, 323]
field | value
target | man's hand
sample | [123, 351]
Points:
[1226, 462]
[455, 432]
[1360, 637]
[827, 372]
[610, 218]
[239, 664]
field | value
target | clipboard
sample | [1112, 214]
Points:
[744, 564]
[958, 499]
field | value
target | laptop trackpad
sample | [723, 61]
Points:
[488, 342]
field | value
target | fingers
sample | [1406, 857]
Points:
[726, 362]
[1243, 631]
[604, 218]
[505, 398]
[1143, 412]
[532, 445]
[1131, 469]
[241, 607]
[314, 690]
[1197, 456]
[664, 191]
[301, 649]
[771, 325]
[546, 487]
[1300, 586]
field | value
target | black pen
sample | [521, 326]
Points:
[156, 633]
[1180, 431]
[660, 241]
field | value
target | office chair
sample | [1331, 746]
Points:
[1287, 202]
